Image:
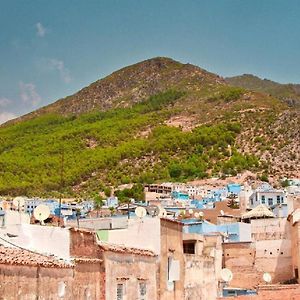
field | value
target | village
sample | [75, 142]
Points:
[239, 240]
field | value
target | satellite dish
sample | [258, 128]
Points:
[152, 210]
[191, 211]
[41, 212]
[196, 215]
[61, 289]
[222, 212]
[267, 277]
[226, 275]
[140, 212]
[18, 202]
[201, 214]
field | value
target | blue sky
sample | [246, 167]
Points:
[51, 49]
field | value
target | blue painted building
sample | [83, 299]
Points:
[234, 188]
[180, 195]
[234, 232]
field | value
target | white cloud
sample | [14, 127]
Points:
[5, 116]
[4, 102]
[29, 94]
[59, 66]
[41, 30]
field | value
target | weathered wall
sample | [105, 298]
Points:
[200, 280]
[240, 259]
[83, 244]
[171, 246]
[32, 282]
[130, 270]
[272, 239]
[295, 232]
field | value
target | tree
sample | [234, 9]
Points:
[98, 203]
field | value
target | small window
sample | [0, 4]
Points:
[270, 201]
[189, 247]
[263, 199]
[120, 291]
[278, 199]
[142, 290]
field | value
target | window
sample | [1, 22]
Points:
[270, 201]
[278, 199]
[263, 199]
[142, 290]
[120, 291]
[189, 247]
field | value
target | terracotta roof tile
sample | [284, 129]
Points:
[125, 250]
[17, 256]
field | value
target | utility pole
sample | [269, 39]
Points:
[61, 185]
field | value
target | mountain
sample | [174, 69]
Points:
[290, 93]
[157, 120]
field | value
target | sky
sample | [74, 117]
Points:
[51, 49]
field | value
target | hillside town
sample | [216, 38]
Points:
[239, 240]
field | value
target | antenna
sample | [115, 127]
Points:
[226, 275]
[140, 212]
[222, 212]
[61, 182]
[267, 277]
[41, 213]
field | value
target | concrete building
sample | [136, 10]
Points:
[270, 251]
[268, 196]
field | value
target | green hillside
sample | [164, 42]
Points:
[290, 93]
[189, 124]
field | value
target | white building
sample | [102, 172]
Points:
[268, 196]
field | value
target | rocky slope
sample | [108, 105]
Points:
[153, 121]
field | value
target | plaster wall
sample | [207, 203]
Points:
[130, 270]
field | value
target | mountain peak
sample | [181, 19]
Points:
[130, 85]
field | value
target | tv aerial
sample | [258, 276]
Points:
[267, 277]
[140, 212]
[41, 213]
[226, 275]
[18, 202]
